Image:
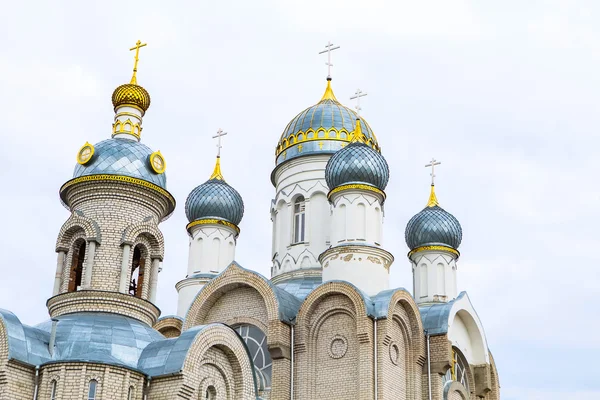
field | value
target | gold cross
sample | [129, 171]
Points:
[137, 47]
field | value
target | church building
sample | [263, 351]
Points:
[324, 325]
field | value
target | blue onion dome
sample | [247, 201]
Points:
[357, 163]
[121, 157]
[433, 227]
[321, 129]
[215, 199]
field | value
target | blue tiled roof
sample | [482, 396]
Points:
[300, 287]
[100, 337]
[25, 343]
[435, 316]
[121, 157]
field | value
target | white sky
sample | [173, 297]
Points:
[506, 95]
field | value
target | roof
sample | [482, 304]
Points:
[300, 287]
[121, 157]
[25, 343]
[435, 316]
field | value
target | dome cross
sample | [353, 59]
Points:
[328, 49]
[137, 47]
[218, 136]
[359, 93]
[432, 164]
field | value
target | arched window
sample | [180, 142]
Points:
[211, 393]
[76, 272]
[130, 393]
[53, 389]
[136, 283]
[256, 341]
[299, 219]
[92, 390]
[458, 370]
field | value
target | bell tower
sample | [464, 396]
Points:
[110, 249]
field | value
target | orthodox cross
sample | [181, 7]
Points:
[359, 93]
[218, 136]
[328, 49]
[137, 47]
[432, 164]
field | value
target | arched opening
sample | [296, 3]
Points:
[256, 342]
[458, 371]
[211, 393]
[76, 272]
[299, 219]
[130, 393]
[92, 389]
[138, 269]
[53, 386]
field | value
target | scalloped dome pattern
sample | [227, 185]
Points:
[215, 199]
[433, 226]
[357, 163]
[130, 93]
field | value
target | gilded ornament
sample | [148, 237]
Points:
[213, 222]
[434, 248]
[356, 186]
[374, 260]
[347, 257]
[157, 162]
[85, 153]
[131, 95]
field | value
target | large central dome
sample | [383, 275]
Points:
[324, 128]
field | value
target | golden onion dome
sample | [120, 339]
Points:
[131, 94]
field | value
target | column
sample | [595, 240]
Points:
[123, 288]
[154, 279]
[89, 265]
[60, 263]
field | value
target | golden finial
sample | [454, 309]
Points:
[217, 172]
[328, 95]
[137, 47]
[433, 201]
[357, 136]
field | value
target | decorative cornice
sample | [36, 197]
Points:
[434, 248]
[120, 178]
[358, 186]
[213, 221]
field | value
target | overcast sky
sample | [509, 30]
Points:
[507, 96]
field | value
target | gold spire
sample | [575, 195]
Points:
[357, 136]
[328, 95]
[137, 47]
[217, 172]
[433, 201]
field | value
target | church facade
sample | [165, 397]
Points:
[325, 324]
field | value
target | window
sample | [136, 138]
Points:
[211, 393]
[130, 393]
[136, 281]
[53, 390]
[92, 390]
[299, 219]
[458, 370]
[76, 272]
[256, 341]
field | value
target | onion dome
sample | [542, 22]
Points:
[215, 200]
[131, 94]
[433, 229]
[321, 129]
[123, 157]
[357, 163]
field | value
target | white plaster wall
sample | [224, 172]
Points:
[212, 249]
[434, 276]
[365, 267]
[302, 176]
[187, 291]
[357, 217]
[466, 332]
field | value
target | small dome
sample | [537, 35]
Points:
[322, 128]
[131, 94]
[121, 157]
[215, 199]
[357, 163]
[433, 226]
